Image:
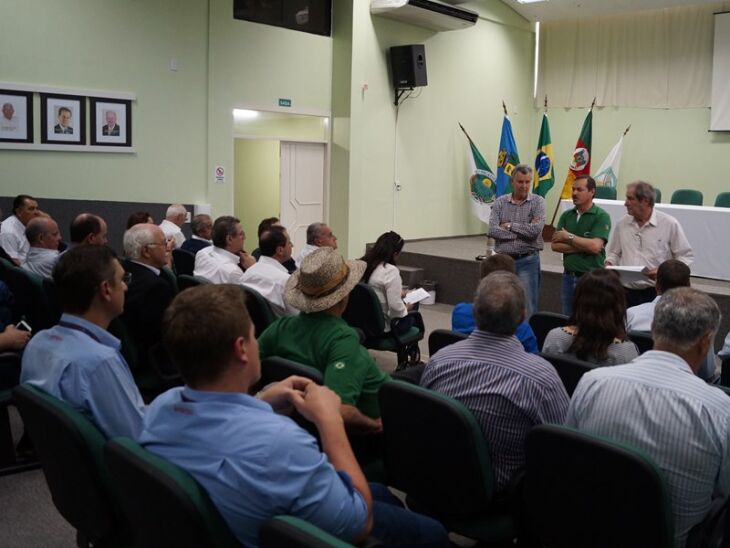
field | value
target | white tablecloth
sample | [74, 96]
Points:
[707, 229]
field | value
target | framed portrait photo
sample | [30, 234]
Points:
[111, 122]
[63, 119]
[16, 116]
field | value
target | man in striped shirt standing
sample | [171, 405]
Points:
[658, 404]
[508, 390]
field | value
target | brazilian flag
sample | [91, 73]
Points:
[544, 175]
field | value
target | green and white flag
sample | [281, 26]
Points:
[481, 182]
[607, 174]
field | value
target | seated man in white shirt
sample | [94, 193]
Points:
[225, 261]
[268, 276]
[318, 235]
[12, 229]
[174, 219]
[43, 236]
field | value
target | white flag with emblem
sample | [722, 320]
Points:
[607, 174]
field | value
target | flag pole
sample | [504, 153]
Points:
[549, 229]
[465, 133]
[504, 107]
[627, 130]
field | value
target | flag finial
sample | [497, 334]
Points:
[546, 101]
[504, 107]
[627, 130]
[593, 104]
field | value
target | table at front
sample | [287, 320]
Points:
[707, 229]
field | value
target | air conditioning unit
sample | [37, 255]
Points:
[430, 14]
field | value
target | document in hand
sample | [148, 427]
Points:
[630, 274]
[416, 296]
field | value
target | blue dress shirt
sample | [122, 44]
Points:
[462, 320]
[80, 363]
[253, 463]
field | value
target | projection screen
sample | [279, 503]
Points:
[720, 106]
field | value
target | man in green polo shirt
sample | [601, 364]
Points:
[581, 237]
[321, 338]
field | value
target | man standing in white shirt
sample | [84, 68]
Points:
[12, 230]
[645, 237]
[225, 261]
[318, 235]
[43, 236]
[174, 219]
[268, 276]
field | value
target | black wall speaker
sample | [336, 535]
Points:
[408, 66]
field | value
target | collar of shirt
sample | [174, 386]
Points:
[666, 359]
[149, 266]
[652, 220]
[528, 199]
[191, 395]
[194, 237]
[169, 225]
[591, 210]
[269, 261]
[40, 251]
[492, 339]
[225, 255]
[102, 335]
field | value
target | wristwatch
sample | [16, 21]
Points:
[571, 237]
[509, 226]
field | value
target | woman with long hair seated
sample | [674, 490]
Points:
[384, 277]
[596, 330]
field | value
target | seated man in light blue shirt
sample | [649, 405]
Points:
[462, 317]
[255, 463]
[78, 360]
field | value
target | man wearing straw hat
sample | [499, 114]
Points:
[321, 338]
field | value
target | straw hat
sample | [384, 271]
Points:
[323, 279]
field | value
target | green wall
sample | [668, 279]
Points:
[114, 46]
[669, 148]
[257, 192]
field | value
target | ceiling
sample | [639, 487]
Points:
[553, 10]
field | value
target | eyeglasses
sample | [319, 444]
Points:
[127, 278]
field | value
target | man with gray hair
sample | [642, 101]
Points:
[318, 235]
[657, 404]
[507, 389]
[202, 228]
[645, 237]
[149, 292]
[516, 224]
[43, 236]
[174, 219]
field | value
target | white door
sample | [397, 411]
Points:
[302, 188]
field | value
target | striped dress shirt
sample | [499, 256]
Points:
[508, 391]
[657, 404]
[527, 221]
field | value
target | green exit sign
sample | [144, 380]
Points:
[284, 102]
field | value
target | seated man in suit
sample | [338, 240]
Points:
[321, 338]
[78, 360]
[43, 236]
[202, 228]
[149, 293]
[225, 261]
[252, 462]
[87, 228]
[269, 276]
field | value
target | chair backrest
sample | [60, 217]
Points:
[30, 298]
[296, 533]
[443, 337]
[657, 196]
[364, 312]
[184, 281]
[723, 199]
[164, 505]
[259, 309]
[169, 275]
[129, 348]
[51, 293]
[184, 261]
[570, 369]
[686, 196]
[435, 450]
[582, 490]
[725, 372]
[543, 322]
[275, 369]
[606, 192]
[69, 448]
[642, 340]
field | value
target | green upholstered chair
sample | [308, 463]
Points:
[292, 532]
[184, 281]
[570, 369]
[542, 322]
[184, 261]
[440, 338]
[642, 340]
[31, 299]
[657, 196]
[606, 192]
[169, 275]
[259, 309]
[363, 312]
[584, 490]
[435, 452]
[723, 199]
[69, 447]
[686, 196]
[163, 504]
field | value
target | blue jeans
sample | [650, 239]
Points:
[393, 525]
[528, 270]
[566, 293]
